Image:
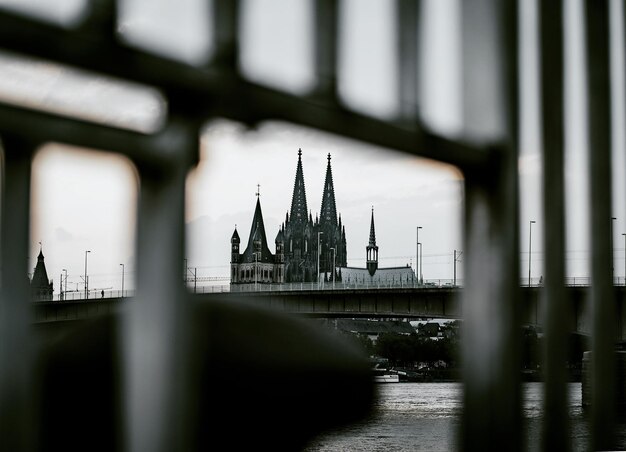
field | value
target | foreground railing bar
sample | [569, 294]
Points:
[326, 48]
[225, 19]
[157, 370]
[408, 75]
[491, 357]
[155, 150]
[17, 402]
[599, 123]
[214, 93]
[555, 432]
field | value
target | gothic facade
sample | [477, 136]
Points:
[297, 243]
[303, 235]
[257, 264]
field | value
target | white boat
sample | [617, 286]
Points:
[385, 376]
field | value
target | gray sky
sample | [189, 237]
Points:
[87, 202]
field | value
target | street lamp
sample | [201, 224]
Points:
[530, 246]
[319, 252]
[456, 259]
[624, 259]
[65, 283]
[122, 280]
[417, 248]
[86, 277]
[612, 260]
[333, 268]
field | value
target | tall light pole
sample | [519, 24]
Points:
[612, 260]
[530, 246]
[65, 283]
[333, 268]
[122, 280]
[456, 258]
[624, 259]
[319, 252]
[417, 254]
[421, 263]
[86, 277]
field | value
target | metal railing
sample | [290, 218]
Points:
[486, 151]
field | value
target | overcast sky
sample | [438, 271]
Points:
[86, 201]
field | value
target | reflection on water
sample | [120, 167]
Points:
[425, 416]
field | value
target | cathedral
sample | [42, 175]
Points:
[297, 241]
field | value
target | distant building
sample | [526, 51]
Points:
[40, 287]
[257, 264]
[296, 258]
[301, 233]
[372, 274]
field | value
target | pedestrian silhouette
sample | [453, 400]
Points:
[102, 294]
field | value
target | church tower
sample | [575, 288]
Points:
[298, 235]
[234, 255]
[332, 239]
[40, 287]
[372, 249]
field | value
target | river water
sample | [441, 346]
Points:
[426, 416]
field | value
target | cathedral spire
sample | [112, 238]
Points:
[298, 201]
[372, 231]
[372, 250]
[328, 213]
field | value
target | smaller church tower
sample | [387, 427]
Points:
[280, 256]
[40, 287]
[372, 249]
[234, 255]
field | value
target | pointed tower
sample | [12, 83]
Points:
[298, 215]
[372, 249]
[298, 233]
[234, 256]
[328, 215]
[40, 287]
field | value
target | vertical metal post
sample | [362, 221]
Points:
[599, 118]
[530, 252]
[421, 263]
[555, 428]
[16, 359]
[122, 280]
[491, 356]
[454, 277]
[156, 326]
[417, 255]
[407, 36]
[326, 24]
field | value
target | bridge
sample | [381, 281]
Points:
[409, 303]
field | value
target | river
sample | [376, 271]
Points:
[426, 416]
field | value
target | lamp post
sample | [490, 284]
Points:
[421, 263]
[530, 247]
[612, 259]
[65, 283]
[333, 268]
[319, 252]
[86, 277]
[122, 280]
[417, 252]
[456, 258]
[624, 259]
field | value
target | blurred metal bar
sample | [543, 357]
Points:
[155, 334]
[326, 47]
[555, 434]
[599, 119]
[407, 16]
[157, 150]
[17, 426]
[491, 356]
[226, 24]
